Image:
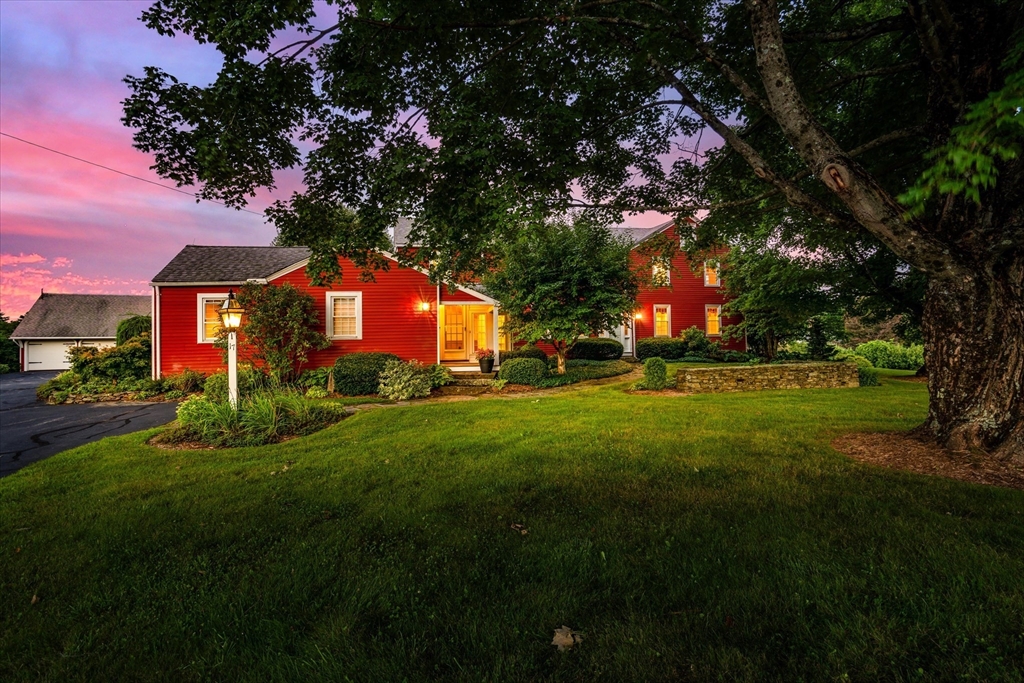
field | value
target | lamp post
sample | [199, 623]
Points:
[231, 318]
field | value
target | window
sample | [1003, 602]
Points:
[345, 315]
[662, 321]
[209, 316]
[504, 338]
[660, 274]
[713, 320]
[711, 278]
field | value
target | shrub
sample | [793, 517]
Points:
[883, 354]
[698, 344]
[655, 375]
[523, 371]
[868, 377]
[736, 357]
[250, 382]
[358, 374]
[440, 376]
[128, 361]
[316, 392]
[318, 377]
[660, 347]
[580, 370]
[133, 327]
[696, 359]
[64, 382]
[527, 351]
[848, 355]
[187, 381]
[4, 368]
[403, 381]
[595, 349]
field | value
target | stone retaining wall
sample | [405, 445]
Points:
[758, 377]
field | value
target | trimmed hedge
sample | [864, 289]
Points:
[665, 348]
[595, 349]
[523, 370]
[867, 377]
[655, 375]
[358, 374]
[528, 351]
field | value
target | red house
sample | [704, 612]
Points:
[401, 312]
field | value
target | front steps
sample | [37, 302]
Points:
[473, 379]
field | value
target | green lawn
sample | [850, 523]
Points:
[713, 537]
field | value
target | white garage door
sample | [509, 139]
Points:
[47, 355]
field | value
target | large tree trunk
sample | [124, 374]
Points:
[974, 342]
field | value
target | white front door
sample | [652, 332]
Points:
[624, 335]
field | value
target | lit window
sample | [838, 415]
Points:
[711, 278]
[660, 274]
[662, 321]
[713, 321]
[345, 315]
[504, 338]
[209, 316]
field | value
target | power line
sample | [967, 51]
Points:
[107, 168]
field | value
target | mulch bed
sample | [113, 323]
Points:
[911, 453]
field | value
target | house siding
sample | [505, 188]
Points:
[687, 295]
[391, 319]
[459, 296]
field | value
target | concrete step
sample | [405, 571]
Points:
[471, 382]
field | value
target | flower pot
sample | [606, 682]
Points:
[486, 364]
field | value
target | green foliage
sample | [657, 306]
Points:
[969, 162]
[280, 327]
[698, 344]
[849, 355]
[736, 357]
[660, 347]
[582, 370]
[133, 327]
[525, 351]
[558, 281]
[358, 374]
[316, 392]
[129, 361]
[867, 377]
[187, 381]
[696, 359]
[440, 376]
[523, 371]
[316, 377]
[655, 375]
[403, 381]
[9, 353]
[250, 382]
[64, 382]
[595, 348]
[262, 418]
[883, 354]
[818, 347]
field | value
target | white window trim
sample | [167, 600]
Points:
[667, 282]
[654, 320]
[707, 307]
[718, 272]
[330, 314]
[201, 315]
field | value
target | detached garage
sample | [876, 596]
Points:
[57, 322]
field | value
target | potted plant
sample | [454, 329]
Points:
[486, 359]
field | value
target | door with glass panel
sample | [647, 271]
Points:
[454, 335]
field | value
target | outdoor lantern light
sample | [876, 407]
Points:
[638, 316]
[231, 317]
[425, 306]
[231, 313]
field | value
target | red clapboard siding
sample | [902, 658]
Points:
[687, 295]
[459, 296]
[392, 319]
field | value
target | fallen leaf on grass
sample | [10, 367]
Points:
[35, 599]
[565, 638]
[520, 528]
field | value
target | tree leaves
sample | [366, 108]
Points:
[565, 638]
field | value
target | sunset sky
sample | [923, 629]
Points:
[66, 226]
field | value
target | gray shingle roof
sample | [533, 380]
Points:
[635, 235]
[228, 264]
[79, 316]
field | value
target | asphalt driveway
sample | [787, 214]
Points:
[31, 430]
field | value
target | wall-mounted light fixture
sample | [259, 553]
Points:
[424, 306]
[638, 316]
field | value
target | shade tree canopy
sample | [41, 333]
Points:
[890, 123]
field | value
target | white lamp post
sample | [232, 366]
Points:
[231, 318]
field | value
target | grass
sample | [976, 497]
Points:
[701, 538]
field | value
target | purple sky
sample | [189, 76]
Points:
[66, 226]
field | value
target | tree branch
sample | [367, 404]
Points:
[870, 30]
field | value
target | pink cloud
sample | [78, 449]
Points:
[62, 262]
[17, 259]
[22, 280]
